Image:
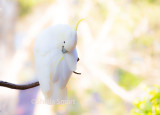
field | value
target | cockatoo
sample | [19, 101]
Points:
[55, 59]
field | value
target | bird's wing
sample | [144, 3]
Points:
[46, 64]
[57, 58]
[63, 73]
[42, 63]
[71, 59]
[65, 68]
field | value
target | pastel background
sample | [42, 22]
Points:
[118, 47]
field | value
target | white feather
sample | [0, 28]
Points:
[54, 68]
[71, 59]
[63, 73]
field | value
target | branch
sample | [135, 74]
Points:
[26, 86]
[76, 73]
[20, 87]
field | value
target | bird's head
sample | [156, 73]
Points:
[67, 38]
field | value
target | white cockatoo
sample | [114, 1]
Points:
[55, 59]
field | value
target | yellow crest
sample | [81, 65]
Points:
[78, 23]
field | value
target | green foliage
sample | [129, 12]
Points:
[149, 105]
[102, 10]
[147, 1]
[77, 106]
[143, 41]
[128, 80]
[25, 6]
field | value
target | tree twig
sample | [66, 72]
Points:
[20, 87]
[24, 86]
[76, 73]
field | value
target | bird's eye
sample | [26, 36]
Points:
[64, 42]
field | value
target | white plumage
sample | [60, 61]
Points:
[55, 59]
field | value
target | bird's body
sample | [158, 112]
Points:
[55, 59]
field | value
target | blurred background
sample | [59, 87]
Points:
[118, 47]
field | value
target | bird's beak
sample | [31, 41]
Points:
[64, 50]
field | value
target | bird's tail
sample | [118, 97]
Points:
[56, 94]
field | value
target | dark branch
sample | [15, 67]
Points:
[76, 73]
[26, 86]
[20, 87]
[78, 59]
